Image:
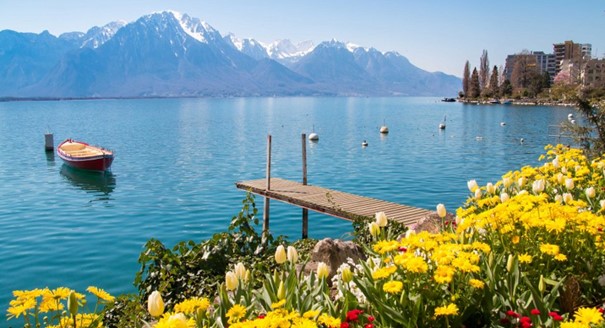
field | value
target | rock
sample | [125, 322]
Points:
[334, 252]
[432, 222]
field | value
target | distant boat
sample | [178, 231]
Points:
[84, 156]
[448, 99]
[507, 102]
[442, 124]
[494, 101]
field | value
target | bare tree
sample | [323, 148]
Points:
[524, 70]
[483, 70]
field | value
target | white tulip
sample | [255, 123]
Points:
[560, 178]
[555, 163]
[441, 210]
[323, 270]
[155, 304]
[280, 254]
[507, 182]
[569, 183]
[231, 281]
[567, 198]
[490, 188]
[602, 203]
[292, 254]
[558, 198]
[538, 186]
[521, 182]
[478, 194]
[240, 271]
[590, 192]
[472, 185]
[381, 219]
[504, 197]
[374, 229]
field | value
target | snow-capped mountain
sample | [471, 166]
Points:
[171, 54]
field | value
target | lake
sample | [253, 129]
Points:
[177, 161]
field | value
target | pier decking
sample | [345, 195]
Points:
[332, 202]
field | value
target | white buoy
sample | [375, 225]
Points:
[364, 144]
[442, 126]
[49, 143]
[313, 136]
[384, 129]
[502, 123]
[522, 140]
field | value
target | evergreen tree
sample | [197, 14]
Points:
[474, 88]
[493, 82]
[506, 88]
[466, 78]
[483, 70]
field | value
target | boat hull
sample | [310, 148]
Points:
[98, 162]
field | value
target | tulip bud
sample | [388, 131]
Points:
[231, 281]
[555, 163]
[569, 183]
[507, 182]
[590, 192]
[374, 229]
[292, 254]
[322, 270]
[381, 219]
[280, 254]
[504, 197]
[281, 291]
[542, 284]
[472, 185]
[560, 178]
[558, 198]
[347, 275]
[538, 186]
[441, 210]
[155, 304]
[510, 262]
[521, 182]
[240, 270]
[247, 276]
[72, 304]
[564, 170]
[567, 198]
[478, 194]
[490, 188]
[602, 203]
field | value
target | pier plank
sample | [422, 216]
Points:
[332, 202]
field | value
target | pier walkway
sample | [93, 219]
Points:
[332, 202]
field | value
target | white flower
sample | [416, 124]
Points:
[323, 270]
[560, 178]
[155, 304]
[280, 254]
[602, 203]
[538, 186]
[381, 219]
[555, 162]
[490, 188]
[374, 229]
[569, 183]
[504, 197]
[292, 254]
[231, 281]
[240, 270]
[478, 194]
[472, 185]
[558, 198]
[567, 198]
[590, 192]
[441, 210]
[507, 182]
[521, 182]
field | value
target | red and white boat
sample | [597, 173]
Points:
[84, 156]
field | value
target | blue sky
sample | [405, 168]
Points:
[433, 35]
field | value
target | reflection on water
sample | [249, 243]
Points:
[50, 158]
[100, 183]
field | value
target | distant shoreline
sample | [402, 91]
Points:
[520, 102]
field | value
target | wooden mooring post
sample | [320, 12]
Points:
[305, 212]
[268, 187]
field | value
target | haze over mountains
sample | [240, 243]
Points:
[172, 55]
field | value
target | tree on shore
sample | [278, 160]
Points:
[492, 89]
[474, 88]
[524, 71]
[483, 70]
[466, 78]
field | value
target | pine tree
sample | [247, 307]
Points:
[483, 70]
[493, 82]
[466, 78]
[474, 88]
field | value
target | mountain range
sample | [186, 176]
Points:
[168, 54]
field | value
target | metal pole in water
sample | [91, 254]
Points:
[268, 187]
[305, 212]
[49, 143]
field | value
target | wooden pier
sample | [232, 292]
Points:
[327, 201]
[332, 202]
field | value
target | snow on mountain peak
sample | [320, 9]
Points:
[282, 49]
[196, 28]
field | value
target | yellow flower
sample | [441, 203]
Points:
[278, 304]
[292, 254]
[393, 287]
[323, 270]
[515, 239]
[100, 293]
[444, 274]
[450, 309]
[549, 249]
[415, 264]
[561, 257]
[280, 254]
[192, 305]
[588, 316]
[525, 258]
[329, 321]
[384, 272]
[475, 283]
[231, 281]
[235, 313]
[311, 314]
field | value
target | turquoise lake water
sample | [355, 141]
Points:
[177, 161]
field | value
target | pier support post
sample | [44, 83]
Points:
[305, 212]
[267, 187]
